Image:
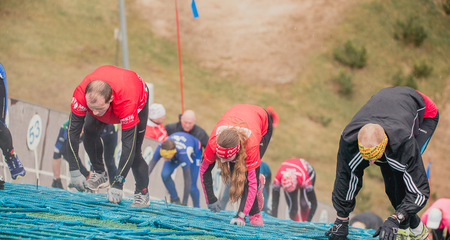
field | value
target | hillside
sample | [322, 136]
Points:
[257, 52]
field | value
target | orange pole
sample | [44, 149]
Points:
[179, 59]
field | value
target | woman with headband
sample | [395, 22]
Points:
[238, 142]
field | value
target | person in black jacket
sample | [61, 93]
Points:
[391, 130]
[187, 125]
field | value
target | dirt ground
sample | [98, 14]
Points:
[265, 41]
[270, 42]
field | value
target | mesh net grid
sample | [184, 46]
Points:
[31, 212]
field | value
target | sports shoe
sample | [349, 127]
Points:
[175, 201]
[16, 167]
[402, 234]
[260, 194]
[57, 183]
[423, 235]
[256, 220]
[97, 181]
[140, 200]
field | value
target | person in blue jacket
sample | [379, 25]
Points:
[179, 149]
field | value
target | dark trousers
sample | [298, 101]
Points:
[6, 143]
[93, 129]
[394, 183]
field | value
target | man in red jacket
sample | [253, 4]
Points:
[110, 95]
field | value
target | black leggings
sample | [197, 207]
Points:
[93, 128]
[6, 143]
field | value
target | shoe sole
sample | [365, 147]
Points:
[103, 185]
[140, 205]
[422, 238]
[19, 176]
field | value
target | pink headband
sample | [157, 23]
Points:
[227, 152]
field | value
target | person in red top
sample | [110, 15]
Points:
[437, 218]
[155, 127]
[294, 175]
[110, 95]
[238, 142]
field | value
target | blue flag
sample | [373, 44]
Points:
[194, 9]
[428, 170]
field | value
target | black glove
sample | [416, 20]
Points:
[388, 231]
[339, 230]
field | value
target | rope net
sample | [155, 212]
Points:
[28, 212]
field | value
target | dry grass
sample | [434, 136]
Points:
[47, 47]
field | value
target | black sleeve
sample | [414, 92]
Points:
[207, 181]
[313, 200]
[275, 201]
[202, 136]
[349, 172]
[73, 140]
[187, 185]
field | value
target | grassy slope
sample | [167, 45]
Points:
[47, 47]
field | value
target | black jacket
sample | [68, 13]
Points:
[196, 131]
[400, 111]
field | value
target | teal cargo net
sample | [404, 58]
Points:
[28, 212]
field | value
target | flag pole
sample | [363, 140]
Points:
[179, 59]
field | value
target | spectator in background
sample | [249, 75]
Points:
[180, 149]
[264, 171]
[110, 95]
[366, 220]
[6, 143]
[155, 128]
[187, 125]
[273, 115]
[437, 218]
[237, 143]
[109, 138]
[294, 176]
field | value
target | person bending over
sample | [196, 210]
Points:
[237, 143]
[294, 176]
[110, 95]
[180, 149]
[391, 130]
